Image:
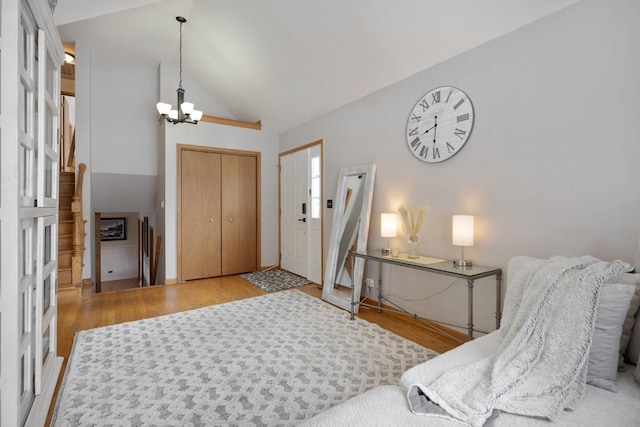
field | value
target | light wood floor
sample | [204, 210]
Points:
[95, 310]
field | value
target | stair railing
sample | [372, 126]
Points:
[77, 253]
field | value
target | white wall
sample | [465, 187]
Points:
[550, 167]
[116, 133]
[119, 258]
[124, 122]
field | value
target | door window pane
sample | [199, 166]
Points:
[46, 303]
[25, 305]
[47, 244]
[315, 187]
[46, 344]
[48, 178]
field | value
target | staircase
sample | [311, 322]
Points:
[70, 233]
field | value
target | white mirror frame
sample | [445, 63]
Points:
[334, 266]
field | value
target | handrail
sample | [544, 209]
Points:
[78, 229]
[82, 169]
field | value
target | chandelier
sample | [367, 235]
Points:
[185, 112]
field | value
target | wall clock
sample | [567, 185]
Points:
[440, 124]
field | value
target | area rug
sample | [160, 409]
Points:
[276, 359]
[274, 280]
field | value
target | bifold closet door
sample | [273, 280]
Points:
[200, 210]
[239, 214]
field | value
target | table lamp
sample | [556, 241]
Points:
[388, 229]
[462, 235]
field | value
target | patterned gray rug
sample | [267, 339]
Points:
[274, 280]
[271, 360]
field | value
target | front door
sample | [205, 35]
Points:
[301, 211]
[294, 206]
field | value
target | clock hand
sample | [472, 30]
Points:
[435, 128]
[427, 131]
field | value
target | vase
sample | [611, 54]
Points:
[413, 248]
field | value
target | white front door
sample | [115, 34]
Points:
[294, 209]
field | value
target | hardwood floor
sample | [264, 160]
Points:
[96, 310]
[119, 285]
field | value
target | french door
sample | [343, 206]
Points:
[31, 56]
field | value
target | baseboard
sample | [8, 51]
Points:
[170, 281]
[40, 409]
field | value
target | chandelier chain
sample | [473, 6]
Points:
[180, 84]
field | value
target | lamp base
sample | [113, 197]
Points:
[462, 263]
[386, 252]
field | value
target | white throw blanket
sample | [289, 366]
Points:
[540, 366]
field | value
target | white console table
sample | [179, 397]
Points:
[436, 266]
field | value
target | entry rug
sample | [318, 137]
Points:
[272, 360]
[274, 280]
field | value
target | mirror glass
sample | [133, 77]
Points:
[350, 229]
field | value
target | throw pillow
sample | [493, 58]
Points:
[611, 312]
[633, 349]
[627, 327]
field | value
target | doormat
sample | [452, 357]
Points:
[274, 280]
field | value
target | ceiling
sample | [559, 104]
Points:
[286, 62]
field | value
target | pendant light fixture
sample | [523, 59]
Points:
[185, 112]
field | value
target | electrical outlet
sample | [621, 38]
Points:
[370, 282]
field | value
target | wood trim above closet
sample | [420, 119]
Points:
[231, 122]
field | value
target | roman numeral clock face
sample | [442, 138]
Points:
[440, 124]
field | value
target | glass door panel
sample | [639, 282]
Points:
[27, 314]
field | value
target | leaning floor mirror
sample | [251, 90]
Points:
[350, 229]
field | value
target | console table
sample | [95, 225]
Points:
[436, 266]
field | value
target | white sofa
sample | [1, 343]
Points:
[388, 405]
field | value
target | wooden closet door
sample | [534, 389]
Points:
[239, 214]
[200, 212]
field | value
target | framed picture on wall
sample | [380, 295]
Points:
[113, 229]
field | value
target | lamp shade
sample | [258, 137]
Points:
[388, 225]
[163, 108]
[187, 107]
[196, 115]
[462, 230]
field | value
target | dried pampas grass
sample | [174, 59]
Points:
[411, 223]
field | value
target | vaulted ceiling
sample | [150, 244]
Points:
[286, 62]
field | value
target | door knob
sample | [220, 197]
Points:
[230, 219]
[303, 220]
[210, 219]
